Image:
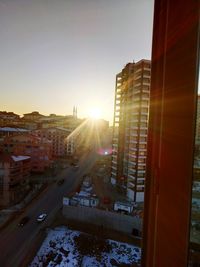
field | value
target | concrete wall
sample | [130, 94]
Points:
[107, 219]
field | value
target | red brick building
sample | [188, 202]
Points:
[14, 178]
[62, 142]
[39, 149]
[8, 118]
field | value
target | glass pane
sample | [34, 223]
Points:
[195, 208]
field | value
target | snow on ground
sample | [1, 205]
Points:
[60, 248]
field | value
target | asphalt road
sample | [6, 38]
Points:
[15, 241]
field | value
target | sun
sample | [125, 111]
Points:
[95, 113]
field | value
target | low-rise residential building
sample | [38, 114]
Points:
[8, 118]
[9, 131]
[14, 178]
[53, 120]
[29, 124]
[63, 144]
[35, 115]
[39, 149]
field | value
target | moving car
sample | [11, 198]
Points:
[41, 217]
[23, 221]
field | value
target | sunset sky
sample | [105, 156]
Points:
[55, 54]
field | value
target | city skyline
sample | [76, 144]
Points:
[55, 55]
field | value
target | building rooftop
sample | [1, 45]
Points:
[20, 158]
[10, 129]
[5, 157]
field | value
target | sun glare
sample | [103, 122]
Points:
[95, 113]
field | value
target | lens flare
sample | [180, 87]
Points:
[95, 113]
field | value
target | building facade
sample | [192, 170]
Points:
[129, 143]
[14, 178]
[35, 115]
[62, 143]
[39, 149]
[8, 118]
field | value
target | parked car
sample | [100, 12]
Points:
[23, 221]
[41, 217]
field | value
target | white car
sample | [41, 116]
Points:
[41, 217]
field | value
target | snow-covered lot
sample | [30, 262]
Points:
[65, 247]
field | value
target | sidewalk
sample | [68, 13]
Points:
[7, 215]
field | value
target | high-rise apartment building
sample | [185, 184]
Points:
[130, 129]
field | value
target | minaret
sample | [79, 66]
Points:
[74, 112]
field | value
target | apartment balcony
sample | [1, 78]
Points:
[146, 83]
[131, 178]
[138, 77]
[145, 105]
[117, 104]
[141, 171]
[134, 120]
[133, 149]
[131, 185]
[142, 156]
[141, 181]
[143, 135]
[134, 134]
[117, 117]
[114, 168]
[142, 150]
[146, 98]
[134, 128]
[145, 91]
[132, 172]
[142, 142]
[136, 99]
[142, 164]
[132, 156]
[143, 121]
[114, 174]
[114, 162]
[143, 127]
[131, 163]
[133, 142]
[140, 189]
[136, 92]
[137, 85]
[138, 70]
